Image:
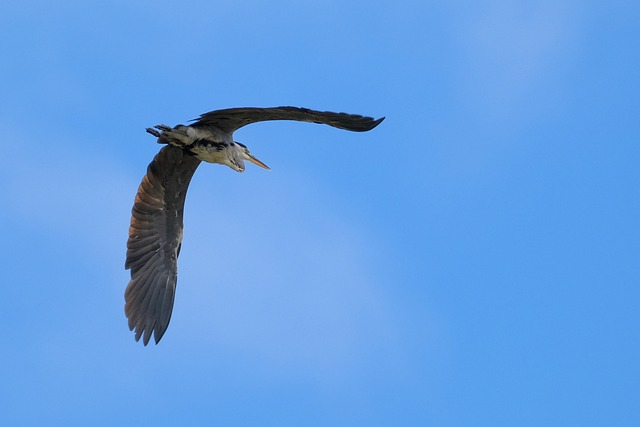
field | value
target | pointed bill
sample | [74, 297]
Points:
[255, 161]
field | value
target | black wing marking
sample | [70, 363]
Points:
[155, 235]
[234, 118]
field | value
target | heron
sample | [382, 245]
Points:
[155, 231]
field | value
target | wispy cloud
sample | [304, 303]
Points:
[64, 188]
[281, 277]
[514, 51]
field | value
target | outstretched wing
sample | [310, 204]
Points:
[234, 118]
[155, 235]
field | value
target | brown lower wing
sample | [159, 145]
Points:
[155, 235]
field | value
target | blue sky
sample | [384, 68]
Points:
[471, 261]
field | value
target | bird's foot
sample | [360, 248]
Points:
[168, 135]
[154, 132]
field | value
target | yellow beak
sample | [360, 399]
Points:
[257, 162]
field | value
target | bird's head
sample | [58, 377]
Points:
[237, 156]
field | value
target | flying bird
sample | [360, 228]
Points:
[155, 232]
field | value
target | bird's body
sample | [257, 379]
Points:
[206, 144]
[155, 233]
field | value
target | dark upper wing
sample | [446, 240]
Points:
[155, 235]
[234, 118]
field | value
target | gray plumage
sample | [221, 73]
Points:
[155, 232]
